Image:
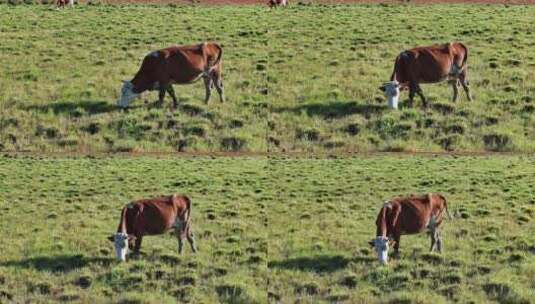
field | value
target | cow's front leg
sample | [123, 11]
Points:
[171, 92]
[137, 246]
[455, 86]
[422, 97]
[412, 93]
[161, 95]
[208, 86]
[191, 240]
[397, 239]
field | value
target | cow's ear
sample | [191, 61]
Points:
[382, 88]
[111, 238]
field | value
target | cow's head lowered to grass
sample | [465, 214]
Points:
[392, 92]
[381, 245]
[121, 243]
[127, 94]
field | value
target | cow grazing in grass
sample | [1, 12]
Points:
[63, 3]
[152, 217]
[273, 3]
[409, 215]
[176, 65]
[430, 64]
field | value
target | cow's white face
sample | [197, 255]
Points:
[392, 91]
[121, 245]
[381, 248]
[127, 94]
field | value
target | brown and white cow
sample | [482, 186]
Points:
[429, 64]
[409, 215]
[273, 3]
[63, 3]
[176, 65]
[152, 217]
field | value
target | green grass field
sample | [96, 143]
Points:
[269, 230]
[303, 78]
[62, 73]
[327, 62]
[56, 214]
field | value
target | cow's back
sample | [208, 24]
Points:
[151, 216]
[414, 215]
[428, 64]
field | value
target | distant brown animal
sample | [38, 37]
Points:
[152, 217]
[409, 215]
[63, 3]
[176, 65]
[429, 64]
[273, 3]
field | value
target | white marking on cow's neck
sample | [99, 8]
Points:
[154, 54]
[387, 204]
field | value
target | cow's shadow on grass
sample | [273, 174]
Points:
[61, 263]
[334, 110]
[76, 108]
[321, 263]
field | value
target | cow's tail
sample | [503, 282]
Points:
[122, 223]
[465, 57]
[186, 218]
[212, 66]
[446, 206]
[188, 210]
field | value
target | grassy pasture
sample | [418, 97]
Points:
[57, 213]
[327, 62]
[269, 230]
[63, 72]
[322, 65]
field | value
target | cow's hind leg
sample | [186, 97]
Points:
[438, 238]
[180, 237]
[191, 240]
[433, 235]
[218, 81]
[208, 86]
[455, 86]
[171, 92]
[464, 82]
